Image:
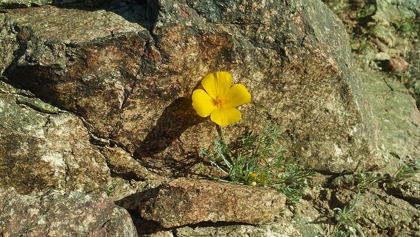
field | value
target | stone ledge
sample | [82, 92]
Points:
[187, 201]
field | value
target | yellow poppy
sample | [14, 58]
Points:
[219, 100]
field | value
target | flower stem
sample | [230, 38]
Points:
[222, 136]
[221, 133]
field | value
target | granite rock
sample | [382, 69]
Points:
[38, 149]
[187, 201]
[57, 213]
[130, 76]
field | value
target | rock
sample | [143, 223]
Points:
[122, 164]
[398, 64]
[396, 116]
[62, 214]
[187, 201]
[162, 234]
[376, 209]
[37, 3]
[8, 42]
[132, 85]
[283, 227]
[71, 55]
[414, 70]
[24, 3]
[382, 56]
[408, 190]
[38, 149]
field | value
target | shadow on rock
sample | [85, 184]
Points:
[175, 119]
[132, 204]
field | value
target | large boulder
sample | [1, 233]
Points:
[132, 83]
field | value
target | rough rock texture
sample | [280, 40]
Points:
[306, 224]
[414, 84]
[393, 29]
[396, 115]
[38, 149]
[408, 189]
[186, 201]
[133, 86]
[99, 99]
[36, 3]
[380, 212]
[62, 214]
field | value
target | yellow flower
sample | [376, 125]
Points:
[219, 100]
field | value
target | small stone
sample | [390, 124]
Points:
[398, 64]
[382, 56]
[186, 201]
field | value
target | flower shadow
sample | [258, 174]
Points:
[175, 119]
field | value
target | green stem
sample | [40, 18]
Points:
[222, 135]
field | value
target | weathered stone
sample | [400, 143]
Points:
[398, 64]
[121, 163]
[38, 149]
[408, 190]
[62, 214]
[414, 83]
[133, 86]
[378, 210]
[8, 42]
[396, 116]
[69, 55]
[162, 234]
[185, 201]
[304, 224]
[37, 3]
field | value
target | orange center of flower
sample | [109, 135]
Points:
[219, 102]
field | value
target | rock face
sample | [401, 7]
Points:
[386, 213]
[100, 99]
[132, 83]
[183, 201]
[397, 117]
[59, 214]
[38, 149]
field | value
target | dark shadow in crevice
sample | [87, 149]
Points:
[133, 204]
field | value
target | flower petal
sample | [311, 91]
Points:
[237, 95]
[202, 103]
[217, 84]
[225, 116]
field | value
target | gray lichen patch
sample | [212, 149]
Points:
[19, 120]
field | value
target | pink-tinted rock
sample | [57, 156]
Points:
[62, 214]
[398, 64]
[185, 201]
